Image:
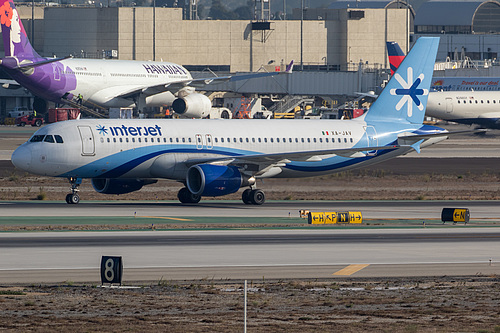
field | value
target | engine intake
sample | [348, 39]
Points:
[213, 180]
[119, 186]
[192, 106]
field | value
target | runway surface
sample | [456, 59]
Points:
[249, 254]
[420, 209]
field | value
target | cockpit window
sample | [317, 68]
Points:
[49, 138]
[58, 139]
[37, 138]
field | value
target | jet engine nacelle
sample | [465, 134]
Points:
[119, 186]
[192, 106]
[213, 180]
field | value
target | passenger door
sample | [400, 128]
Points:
[88, 146]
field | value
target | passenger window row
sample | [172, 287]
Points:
[236, 140]
[477, 101]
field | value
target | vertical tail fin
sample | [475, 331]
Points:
[395, 54]
[15, 40]
[405, 97]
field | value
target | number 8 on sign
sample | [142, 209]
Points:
[108, 272]
[111, 270]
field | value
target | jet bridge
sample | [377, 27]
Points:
[307, 83]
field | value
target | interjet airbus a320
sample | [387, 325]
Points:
[105, 83]
[216, 157]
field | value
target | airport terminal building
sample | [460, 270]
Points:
[336, 41]
[469, 28]
[341, 49]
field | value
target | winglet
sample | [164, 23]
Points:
[289, 67]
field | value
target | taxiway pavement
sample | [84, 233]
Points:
[249, 254]
[404, 209]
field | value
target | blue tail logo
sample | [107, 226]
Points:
[409, 91]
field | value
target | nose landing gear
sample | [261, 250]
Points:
[73, 197]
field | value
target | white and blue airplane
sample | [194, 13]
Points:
[101, 82]
[215, 157]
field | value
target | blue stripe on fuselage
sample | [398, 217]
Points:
[123, 161]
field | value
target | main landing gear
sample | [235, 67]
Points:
[253, 196]
[249, 196]
[185, 196]
[73, 197]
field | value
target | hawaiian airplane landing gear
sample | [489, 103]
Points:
[253, 196]
[73, 197]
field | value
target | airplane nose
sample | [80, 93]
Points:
[21, 158]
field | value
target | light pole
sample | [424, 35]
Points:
[32, 21]
[302, 35]
[154, 30]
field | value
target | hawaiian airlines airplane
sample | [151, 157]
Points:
[214, 157]
[464, 106]
[106, 83]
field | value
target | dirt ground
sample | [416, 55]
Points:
[385, 182]
[444, 304]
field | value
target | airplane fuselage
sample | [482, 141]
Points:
[466, 107]
[166, 148]
[101, 82]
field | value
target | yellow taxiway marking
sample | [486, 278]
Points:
[351, 269]
[165, 218]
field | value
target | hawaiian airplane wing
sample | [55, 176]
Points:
[175, 86]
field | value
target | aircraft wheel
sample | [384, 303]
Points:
[257, 197]
[245, 196]
[74, 198]
[185, 196]
[68, 198]
[193, 198]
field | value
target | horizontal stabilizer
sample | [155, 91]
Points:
[40, 63]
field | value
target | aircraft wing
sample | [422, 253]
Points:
[174, 86]
[308, 156]
[257, 164]
[362, 94]
[9, 84]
